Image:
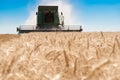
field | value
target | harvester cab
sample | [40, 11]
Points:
[48, 20]
[48, 17]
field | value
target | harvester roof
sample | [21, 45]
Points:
[40, 8]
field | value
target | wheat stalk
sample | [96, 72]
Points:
[116, 39]
[97, 54]
[8, 68]
[97, 69]
[36, 47]
[69, 45]
[66, 59]
[88, 43]
[75, 67]
[57, 56]
[102, 35]
[113, 50]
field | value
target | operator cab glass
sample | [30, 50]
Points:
[49, 17]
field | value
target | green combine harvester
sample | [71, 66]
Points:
[48, 20]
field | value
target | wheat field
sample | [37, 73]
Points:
[61, 56]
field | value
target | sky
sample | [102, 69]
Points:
[93, 15]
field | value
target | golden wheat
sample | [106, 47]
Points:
[61, 56]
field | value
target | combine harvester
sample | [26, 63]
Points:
[48, 20]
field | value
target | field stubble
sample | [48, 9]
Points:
[61, 56]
